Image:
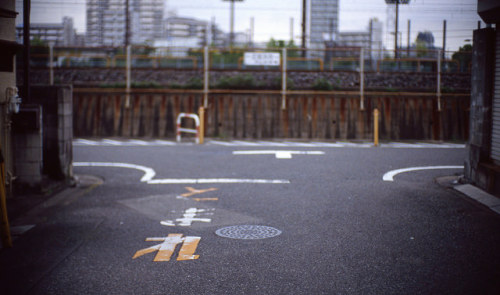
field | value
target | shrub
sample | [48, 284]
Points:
[322, 84]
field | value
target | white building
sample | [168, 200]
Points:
[59, 34]
[370, 40]
[106, 21]
[322, 22]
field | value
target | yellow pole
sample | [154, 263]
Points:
[375, 126]
[201, 133]
[4, 228]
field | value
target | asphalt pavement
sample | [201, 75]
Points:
[257, 218]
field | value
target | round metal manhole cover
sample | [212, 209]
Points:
[248, 232]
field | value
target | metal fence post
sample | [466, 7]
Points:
[362, 79]
[51, 63]
[283, 79]
[206, 65]
[127, 90]
[375, 126]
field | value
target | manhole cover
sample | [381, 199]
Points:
[247, 232]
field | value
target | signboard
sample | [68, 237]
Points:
[261, 59]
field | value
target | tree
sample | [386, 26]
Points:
[275, 44]
[463, 56]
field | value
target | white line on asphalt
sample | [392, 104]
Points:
[112, 142]
[216, 180]
[278, 154]
[149, 173]
[389, 176]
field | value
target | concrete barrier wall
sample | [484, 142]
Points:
[152, 114]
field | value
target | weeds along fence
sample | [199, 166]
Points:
[282, 92]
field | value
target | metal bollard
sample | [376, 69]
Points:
[375, 126]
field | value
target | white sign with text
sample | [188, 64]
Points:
[261, 59]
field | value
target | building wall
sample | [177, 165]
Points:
[106, 21]
[479, 168]
[322, 21]
[7, 79]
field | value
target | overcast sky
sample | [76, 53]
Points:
[272, 17]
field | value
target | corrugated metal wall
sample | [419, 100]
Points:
[495, 131]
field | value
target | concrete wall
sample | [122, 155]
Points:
[479, 169]
[56, 104]
[307, 116]
[7, 79]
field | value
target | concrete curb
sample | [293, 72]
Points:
[480, 196]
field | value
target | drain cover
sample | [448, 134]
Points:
[248, 232]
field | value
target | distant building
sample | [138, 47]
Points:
[347, 44]
[62, 34]
[106, 21]
[183, 31]
[322, 22]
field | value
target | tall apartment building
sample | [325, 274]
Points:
[59, 34]
[322, 22]
[106, 21]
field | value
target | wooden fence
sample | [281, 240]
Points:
[259, 114]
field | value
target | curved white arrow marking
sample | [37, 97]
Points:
[389, 176]
[149, 173]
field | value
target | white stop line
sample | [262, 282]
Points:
[389, 176]
[279, 154]
[149, 174]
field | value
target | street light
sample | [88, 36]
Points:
[231, 34]
[397, 2]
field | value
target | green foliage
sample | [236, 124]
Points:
[276, 83]
[246, 81]
[275, 45]
[463, 56]
[322, 84]
[192, 83]
[142, 85]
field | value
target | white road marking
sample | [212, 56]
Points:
[389, 176]
[216, 180]
[149, 173]
[189, 217]
[278, 154]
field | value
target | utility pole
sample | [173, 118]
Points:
[231, 21]
[291, 29]
[251, 31]
[444, 39]
[396, 31]
[304, 16]
[127, 23]
[397, 2]
[408, 40]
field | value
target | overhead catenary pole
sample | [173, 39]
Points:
[396, 23]
[396, 31]
[127, 23]
[231, 21]
[444, 39]
[408, 40]
[291, 29]
[304, 16]
[252, 28]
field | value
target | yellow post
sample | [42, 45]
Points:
[375, 126]
[201, 133]
[4, 228]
